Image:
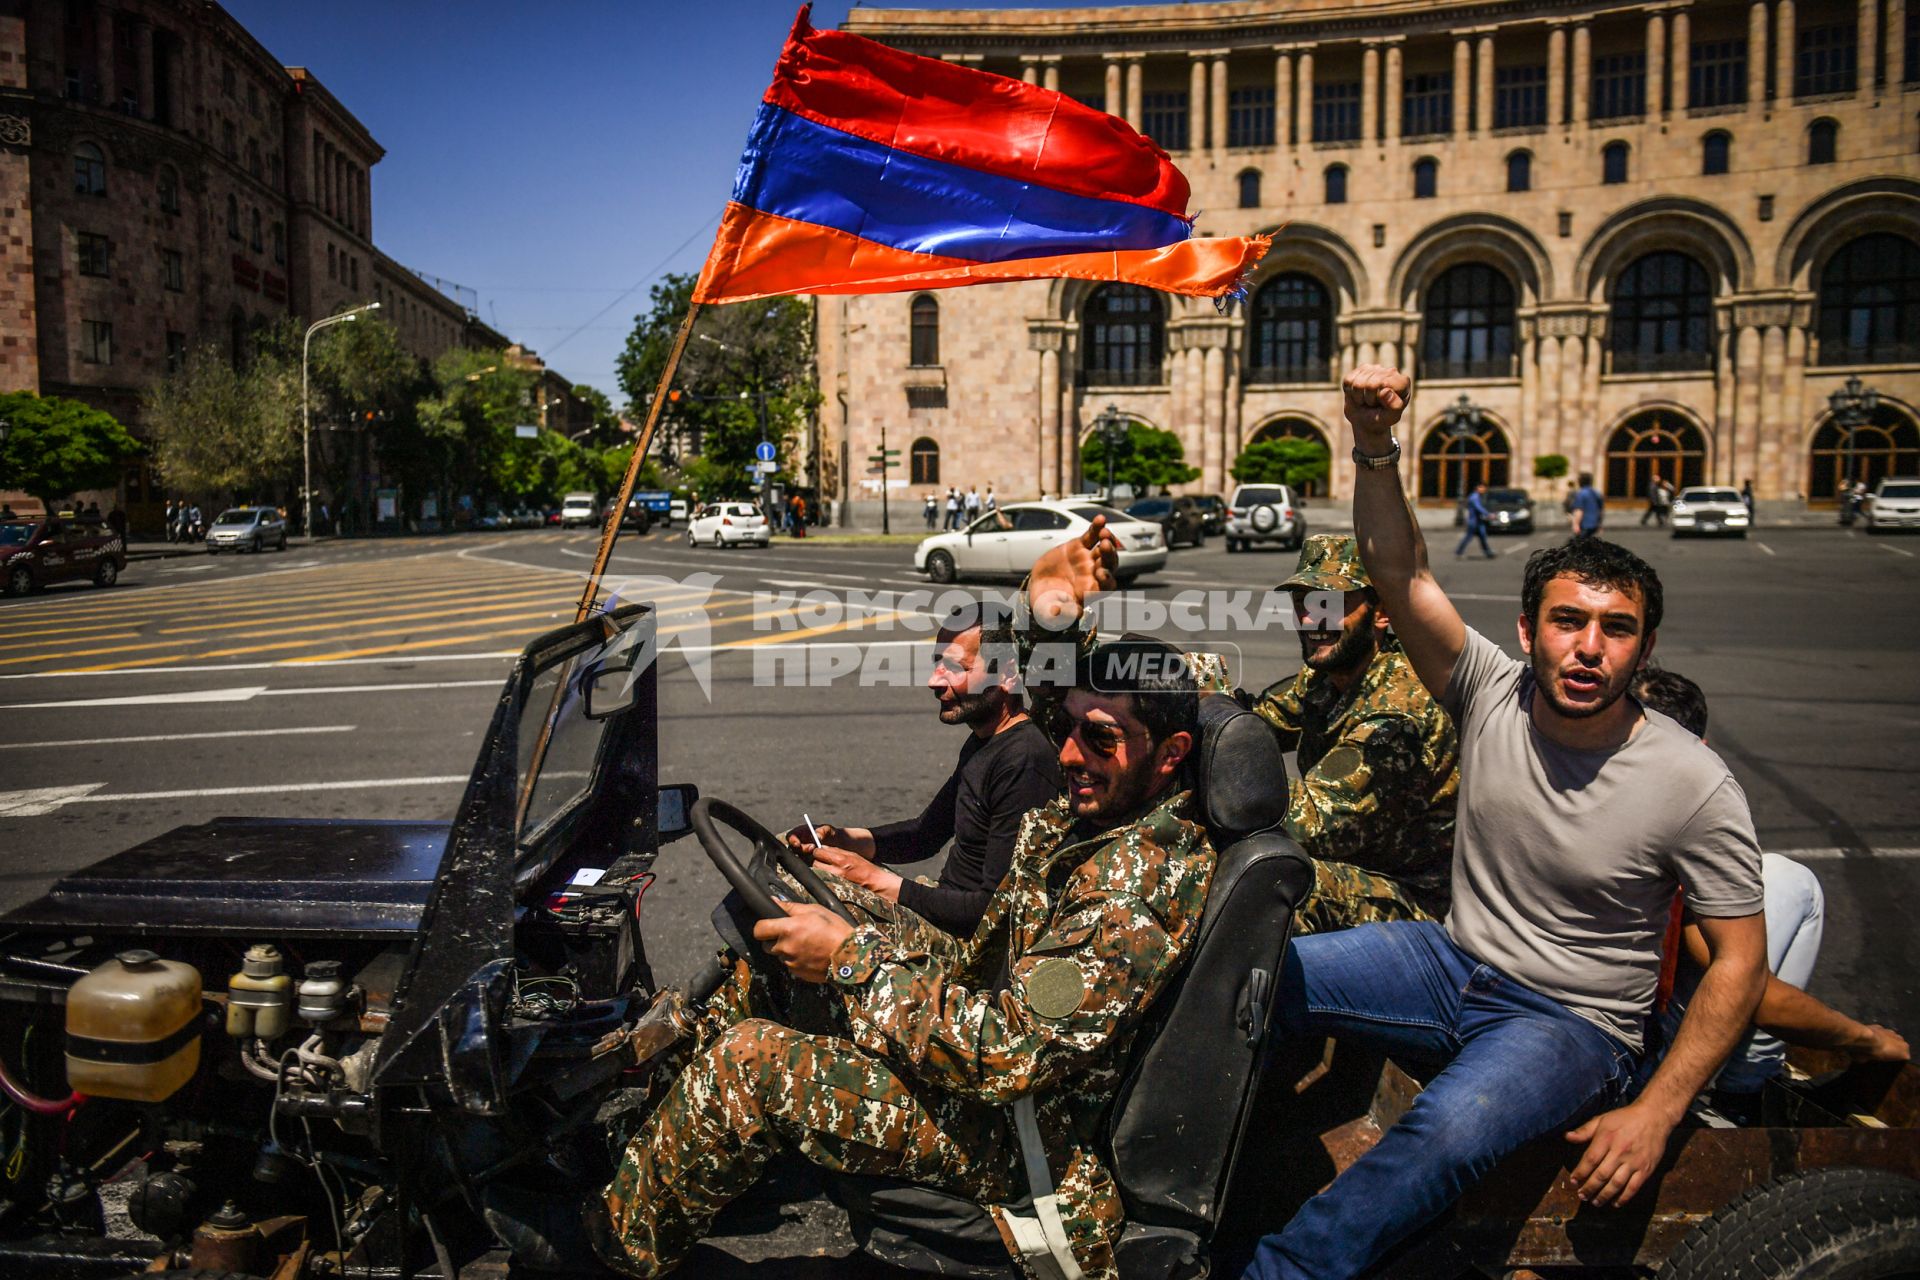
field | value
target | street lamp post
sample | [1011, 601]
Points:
[1853, 407]
[1112, 426]
[1462, 419]
[306, 412]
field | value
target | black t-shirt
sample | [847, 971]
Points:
[996, 782]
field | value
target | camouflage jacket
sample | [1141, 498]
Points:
[1046, 997]
[1379, 770]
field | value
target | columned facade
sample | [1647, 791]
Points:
[1615, 231]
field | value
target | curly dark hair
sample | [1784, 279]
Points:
[1598, 563]
[1157, 678]
[1672, 694]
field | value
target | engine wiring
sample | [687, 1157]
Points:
[533, 1000]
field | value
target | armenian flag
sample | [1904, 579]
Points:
[869, 170]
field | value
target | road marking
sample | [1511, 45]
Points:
[380, 688]
[275, 665]
[149, 699]
[1896, 550]
[190, 568]
[1764, 547]
[33, 804]
[180, 737]
[1524, 543]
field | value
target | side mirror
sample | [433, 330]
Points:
[673, 816]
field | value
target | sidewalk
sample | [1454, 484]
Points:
[160, 549]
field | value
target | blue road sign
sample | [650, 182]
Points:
[764, 451]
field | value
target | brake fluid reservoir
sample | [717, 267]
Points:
[133, 1028]
[260, 996]
[322, 992]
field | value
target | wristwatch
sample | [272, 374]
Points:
[1379, 461]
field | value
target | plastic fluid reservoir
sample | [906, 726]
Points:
[260, 996]
[133, 1028]
[322, 992]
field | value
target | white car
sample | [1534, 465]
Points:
[579, 508]
[1893, 504]
[677, 511]
[1005, 543]
[1704, 509]
[1264, 513]
[728, 524]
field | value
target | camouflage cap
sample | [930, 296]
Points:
[1329, 562]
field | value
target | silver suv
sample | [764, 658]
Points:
[247, 529]
[1264, 513]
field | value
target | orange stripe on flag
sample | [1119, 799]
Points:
[761, 255]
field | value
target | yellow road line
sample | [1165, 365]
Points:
[833, 628]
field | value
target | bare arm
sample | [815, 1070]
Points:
[1391, 546]
[1625, 1145]
[1796, 1017]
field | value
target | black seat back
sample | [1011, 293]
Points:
[1179, 1116]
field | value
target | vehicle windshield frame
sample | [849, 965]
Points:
[1247, 496]
[1086, 511]
[1902, 489]
[243, 515]
[1727, 497]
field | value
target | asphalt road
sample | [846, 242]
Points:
[354, 680]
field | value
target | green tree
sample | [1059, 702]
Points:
[1286, 460]
[1146, 458]
[218, 430]
[56, 447]
[609, 468]
[747, 374]
[467, 426]
[1551, 466]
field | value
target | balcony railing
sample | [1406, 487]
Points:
[1662, 361]
[1486, 367]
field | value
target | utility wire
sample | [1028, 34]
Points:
[699, 231]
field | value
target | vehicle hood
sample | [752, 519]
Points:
[281, 877]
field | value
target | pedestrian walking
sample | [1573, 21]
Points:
[932, 510]
[972, 504]
[1746, 496]
[195, 529]
[117, 521]
[992, 503]
[1476, 519]
[1659, 502]
[1588, 508]
[166, 522]
[953, 509]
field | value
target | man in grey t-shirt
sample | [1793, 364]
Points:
[1580, 814]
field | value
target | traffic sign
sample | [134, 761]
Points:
[764, 451]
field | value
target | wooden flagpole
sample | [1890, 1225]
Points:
[611, 532]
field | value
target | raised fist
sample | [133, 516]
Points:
[1376, 397]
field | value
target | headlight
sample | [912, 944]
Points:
[1680, 508]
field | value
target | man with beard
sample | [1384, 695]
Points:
[1580, 815]
[1007, 767]
[908, 1053]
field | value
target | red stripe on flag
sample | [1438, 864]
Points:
[972, 118]
[761, 255]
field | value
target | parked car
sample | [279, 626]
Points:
[579, 509]
[729, 524]
[1705, 510]
[1214, 508]
[550, 517]
[1893, 504]
[1005, 543]
[638, 516]
[37, 553]
[247, 529]
[1264, 513]
[1509, 511]
[657, 503]
[1180, 519]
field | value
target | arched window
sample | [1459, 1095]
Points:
[233, 218]
[254, 240]
[1468, 327]
[1451, 465]
[1870, 302]
[167, 188]
[1520, 171]
[1426, 178]
[1336, 184]
[279, 243]
[1292, 330]
[1654, 444]
[1823, 142]
[1716, 151]
[89, 170]
[1249, 188]
[1662, 315]
[924, 332]
[923, 462]
[1613, 163]
[1297, 429]
[1122, 336]
[1888, 445]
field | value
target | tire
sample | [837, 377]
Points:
[282, 544]
[20, 581]
[1264, 519]
[1126, 580]
[690, 539]
[1233, 546]
[940, 568]
[259, 544]
[1823, 1224]
[718, 541]
[107, 574]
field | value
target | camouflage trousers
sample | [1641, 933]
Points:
[754, 1087]
[1345, 897]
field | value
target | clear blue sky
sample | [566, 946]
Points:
[548, 156]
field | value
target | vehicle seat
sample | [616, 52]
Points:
[1181, 1110]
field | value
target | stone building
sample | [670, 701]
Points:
[165, 183]
[1650, 238]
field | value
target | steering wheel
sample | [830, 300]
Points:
[753, 878]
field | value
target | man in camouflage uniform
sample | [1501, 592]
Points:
[912, 1054]
[1378, 758]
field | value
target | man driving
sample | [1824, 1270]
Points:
[910, 1053]
[1007, 766]
[1580, 815]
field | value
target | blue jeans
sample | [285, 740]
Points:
[1475, 529]
[1518, 1065]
